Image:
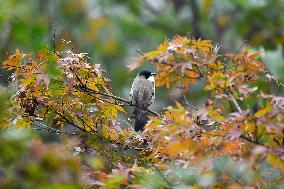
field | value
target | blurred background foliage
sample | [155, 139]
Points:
[26, 162]
[113, 31]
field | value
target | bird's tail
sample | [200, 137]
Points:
[140, 118]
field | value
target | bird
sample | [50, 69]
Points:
[142, 95]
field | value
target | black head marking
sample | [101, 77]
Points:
[146, 73]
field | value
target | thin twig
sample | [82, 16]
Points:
[54, 45]
[186, 101]
[92, 92]
[53, 40]
[77, 77]
[162, 175]
[85, 88]
[199, 71]
[240, 111]
[235, 102]
[238, 50]
[68, 121]
[44, 127]
[93, 130]
[251, 141]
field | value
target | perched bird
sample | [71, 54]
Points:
[142, 95]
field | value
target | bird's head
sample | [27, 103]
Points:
[147, 75]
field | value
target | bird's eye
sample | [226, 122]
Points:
[153, 74]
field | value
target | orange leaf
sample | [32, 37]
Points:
[254, 56]
[177, 146]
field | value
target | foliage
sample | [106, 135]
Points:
[234, 140]
[28, 163]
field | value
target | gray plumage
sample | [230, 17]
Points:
[142, 96]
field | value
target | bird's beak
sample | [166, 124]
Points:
[153, 74]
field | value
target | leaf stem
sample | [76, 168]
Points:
[235, 103]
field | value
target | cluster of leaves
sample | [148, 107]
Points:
[186, 60]
[55, 91]
[224, 143]
[50, 89]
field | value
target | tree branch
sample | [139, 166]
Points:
[235, 102]
[44, 127]
[93, 92]
[252, 141]
[238, 50]
[54, 45]
[240, 111]
[69, 121]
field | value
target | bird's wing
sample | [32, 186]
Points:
[142, 93]
[147, 93]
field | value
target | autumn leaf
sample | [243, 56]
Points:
[174, 148]
[264, 110]
[13, 61]
[275, 161]
[119, 108]
[152, 54]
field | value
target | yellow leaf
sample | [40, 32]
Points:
[14, 60]
[114, 112]
[27, 81]
[192, 74]
[97, 163]
[93, 86]
[135, 168]
[249, 126]
[275, 161]
[179, 106]
[119, 108]
[152, 54]
[207, 4]
[155, 122]
[264, 110]
[232, 147]
[22, 123]
[215, 114]
[163, 47]
[177, 146]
